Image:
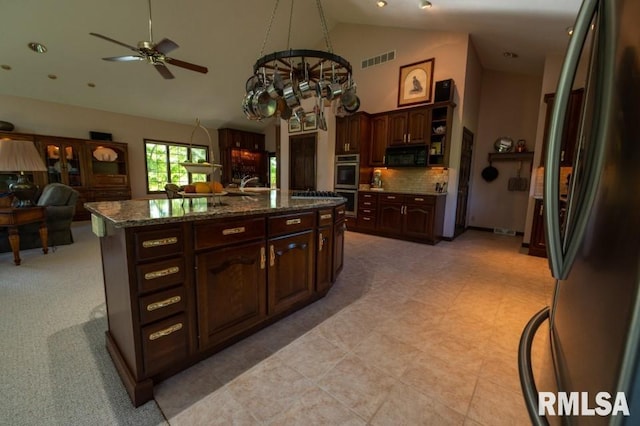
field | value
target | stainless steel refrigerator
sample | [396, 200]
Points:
[594, 251]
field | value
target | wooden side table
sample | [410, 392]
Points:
[13, 217]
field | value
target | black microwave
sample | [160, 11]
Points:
[406, 156]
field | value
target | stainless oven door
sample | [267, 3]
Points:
[347, 172]
[352, 200]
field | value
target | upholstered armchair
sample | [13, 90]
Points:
[60, 202]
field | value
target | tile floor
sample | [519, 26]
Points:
[410, 334]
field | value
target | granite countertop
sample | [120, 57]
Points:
[123, 214]
[404, 192]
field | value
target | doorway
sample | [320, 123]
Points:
[466, 156]
[302, 162]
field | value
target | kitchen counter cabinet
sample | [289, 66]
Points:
[414, 217]
[185, 278]
[379, 125]
[409, 126]
[353, 134]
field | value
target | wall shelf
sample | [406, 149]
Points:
[510, 156]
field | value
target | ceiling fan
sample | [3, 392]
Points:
[155, 54]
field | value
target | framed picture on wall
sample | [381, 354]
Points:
[309, 121]
[294, 125]
[415, 83]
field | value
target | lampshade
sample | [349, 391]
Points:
[20, 156]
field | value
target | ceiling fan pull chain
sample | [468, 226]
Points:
[266, 37]
[323, 23]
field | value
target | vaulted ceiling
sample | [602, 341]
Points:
[226, 36]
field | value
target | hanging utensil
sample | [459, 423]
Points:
[518, 183]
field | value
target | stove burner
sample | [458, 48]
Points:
[315, 194]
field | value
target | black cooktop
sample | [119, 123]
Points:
[315, 194]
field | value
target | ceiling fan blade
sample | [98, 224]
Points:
[163, 70]
[124, 58]
[114, 41]
[187, 65]
[165, 46]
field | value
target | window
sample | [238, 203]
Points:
[163, 163]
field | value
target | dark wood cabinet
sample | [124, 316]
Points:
[414, 217]
[439, 138]
[409, 126]
[571, 127]
[338, 248]
[353, 134]
[242, 153]
[537, 241]
[379, 126]
[324, 250]
[231, 289]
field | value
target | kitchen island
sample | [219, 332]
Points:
[185, 278]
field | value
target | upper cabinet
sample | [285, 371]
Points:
[409, 126]
[108, 163]
[233, 138]
[65, 160]
[429, 125]
[571, 126]
[242, 154]
[353, 134]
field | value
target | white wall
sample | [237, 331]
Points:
[508, 107]
[47, 118]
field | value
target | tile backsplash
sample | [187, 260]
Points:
[413, 179]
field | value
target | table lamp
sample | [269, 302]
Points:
[21, 156]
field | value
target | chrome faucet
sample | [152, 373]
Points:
[246, 179]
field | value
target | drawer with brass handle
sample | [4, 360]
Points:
[165, 343]
[325, 217]
[289, 224]
[163, 304]
[158, 243]
[222, 233]
[159, 275]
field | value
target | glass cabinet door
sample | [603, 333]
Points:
[64, 163]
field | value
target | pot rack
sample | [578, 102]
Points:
[207, 168]
[290, 67]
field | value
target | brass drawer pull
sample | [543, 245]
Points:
[161, 273]
[326, 216]
[294, 221]
[167, 331]
[366, 218]
[419, 199]
[340, 212]
[320, 241]
[231, 231]
[390, 197]
[159, 242]
[366, 203]
[263, 257]
[272, 255]
[163, 303]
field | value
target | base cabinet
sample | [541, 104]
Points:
[177, 293]
[537, 242]
[231, 291]
[415, 217]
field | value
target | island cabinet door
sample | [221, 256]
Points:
[231, 291]
[291, 270]
[338, 249]
[324, 268]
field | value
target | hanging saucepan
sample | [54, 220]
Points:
[252, 83]
[350, 100]
[263, 105]
[275, 88]
[247, 106]
[299, 113]
[305, 89]
[290, 97]
[322, 85]
[334, 91]
[489, 173]
[283, 109]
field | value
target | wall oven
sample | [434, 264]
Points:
[347, 171]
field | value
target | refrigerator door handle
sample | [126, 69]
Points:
[557, 261]
[527, 382]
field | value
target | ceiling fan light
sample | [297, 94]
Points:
[37, 47]
[424, 4]
[381, 3]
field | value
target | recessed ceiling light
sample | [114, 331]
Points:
[37, 47]
[52, 76]
[511, 55]
[5, 67]
[424, 4]
[91, 84]
[381, 3]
